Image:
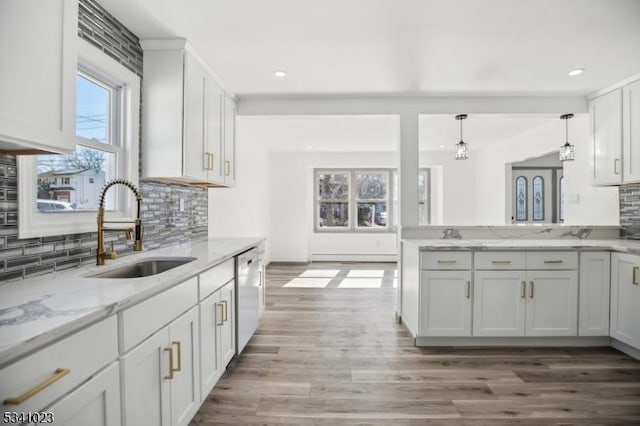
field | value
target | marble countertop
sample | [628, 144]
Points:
[37, 311]
[618, 245]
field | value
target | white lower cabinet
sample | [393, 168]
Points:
[594, 282]
[499, 303]
[445, 303]
[625, 298]
[95, 403]
[217, 336]
[552, 303]
[161, 375]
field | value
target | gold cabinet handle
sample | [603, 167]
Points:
[616, 166]
[523, 289]
[179, 349]
[58, 374]
[635, 275]
[446, 261]
[468, 289]
[224, 311]
[227, 168]
[501, 262]
[213, 164]
[206, 161]
[553, 261]
[531, 290]
[171, 368]
[221, 313]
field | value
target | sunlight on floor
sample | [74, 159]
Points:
[345, 278]
[361, 283]
[308, 282]
[320, 273]
[367, 273]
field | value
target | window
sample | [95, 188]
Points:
[424, 205]
[538, 198]
[521, 198]
[107, 138]
[561, 192]
[359, 199]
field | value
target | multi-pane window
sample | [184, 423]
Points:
[359, 199]
[67, 177]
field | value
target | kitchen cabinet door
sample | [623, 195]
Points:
[606, 132]
[196, 161]
[95, 403]
[631, 132]
[594, 279]
[625, 298]
[146, 387]
[228, 329]
[185, 384]
[211, 320]
[229, 141]
[552, 303]
[214, 144]
[445, 303]
[38, 41]
[499, 303]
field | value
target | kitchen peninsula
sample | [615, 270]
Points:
[516, 285]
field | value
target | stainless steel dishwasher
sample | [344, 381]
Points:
[248, 297]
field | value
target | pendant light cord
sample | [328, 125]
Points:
[461, 131]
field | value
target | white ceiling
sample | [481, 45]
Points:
[446, 47]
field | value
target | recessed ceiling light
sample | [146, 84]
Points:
[280, 73]
[309, 147]
[441, 146]
[577, 71]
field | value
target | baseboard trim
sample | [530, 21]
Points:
[513, 341]
[627, 349]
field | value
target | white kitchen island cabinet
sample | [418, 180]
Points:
[499, 303]
[37, 77]
[189, 120]
[625, 299]
[445, 303]
[161, 376]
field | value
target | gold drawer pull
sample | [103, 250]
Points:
[468, 289]
[171, 368]
[448, 262]
[501, 262]
[531, 290]
[221, 313]
[635, 275]
[616, 166]
[59, 373]
[179, 349]
[523, 289]
[227, 168]
[224, 311]
[553, 261]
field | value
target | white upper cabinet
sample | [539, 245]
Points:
[183, 117]
[38, 41]
[606, 134]
[631, 132]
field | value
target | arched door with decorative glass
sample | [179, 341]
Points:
[532, 196]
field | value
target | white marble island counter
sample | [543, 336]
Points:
[38, 311]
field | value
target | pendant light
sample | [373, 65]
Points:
[567, 151]
[462, 149]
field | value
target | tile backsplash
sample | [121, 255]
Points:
[164, 222]
[630, 212]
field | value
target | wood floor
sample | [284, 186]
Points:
[335, 356]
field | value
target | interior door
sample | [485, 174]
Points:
[533, 200]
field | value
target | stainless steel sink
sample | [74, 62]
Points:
[145, 268]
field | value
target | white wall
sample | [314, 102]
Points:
[243, 211]
[586, 204]
[293, 238]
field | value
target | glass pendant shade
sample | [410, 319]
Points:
[462, 151]
[567, 151]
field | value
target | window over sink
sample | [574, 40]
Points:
[107, 139]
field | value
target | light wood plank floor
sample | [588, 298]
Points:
[336, 356]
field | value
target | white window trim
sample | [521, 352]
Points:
[32, 223]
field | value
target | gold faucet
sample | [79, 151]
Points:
[102, 254]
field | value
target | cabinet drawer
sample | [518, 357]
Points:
[83, 353]
[145, 318]
[445, 260]
[216, 277]
[552, 260]
[503, 260]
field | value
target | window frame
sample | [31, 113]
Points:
[352, 201]
[31, 222]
